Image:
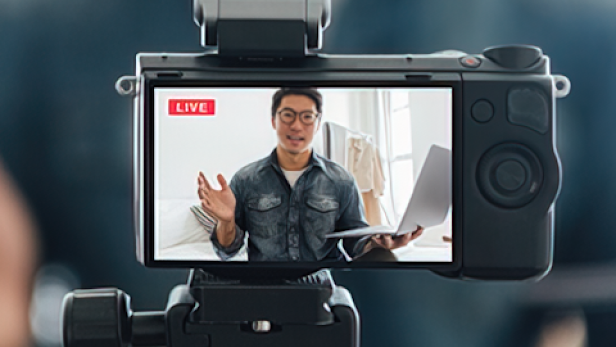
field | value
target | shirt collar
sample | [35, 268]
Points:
[315, 160]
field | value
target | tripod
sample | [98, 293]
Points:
[209, 311]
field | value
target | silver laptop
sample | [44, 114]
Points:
[429, 203]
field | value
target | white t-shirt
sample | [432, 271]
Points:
[292, 176]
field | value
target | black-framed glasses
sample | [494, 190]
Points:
[287, 116]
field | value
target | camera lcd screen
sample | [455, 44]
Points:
[323, 174]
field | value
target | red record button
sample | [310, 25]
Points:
[470, 61]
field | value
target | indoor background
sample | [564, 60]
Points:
[65, 136]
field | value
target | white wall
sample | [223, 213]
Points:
[366, 115]
[239, 133]
[431, 117]
[336, 108]
[336, 105]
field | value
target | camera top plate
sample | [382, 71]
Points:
[502, 59]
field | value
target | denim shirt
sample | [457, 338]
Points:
[290, 224]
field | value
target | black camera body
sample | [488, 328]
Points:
[505, 169]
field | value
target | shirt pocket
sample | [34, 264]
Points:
[321, 214]
[263, 214]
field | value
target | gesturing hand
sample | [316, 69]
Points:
[219, 203]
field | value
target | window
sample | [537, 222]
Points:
[398, 161]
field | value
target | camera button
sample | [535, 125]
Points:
[514, 56]
[470, 61]
[510, 175]
[482, 111]
[529, 107]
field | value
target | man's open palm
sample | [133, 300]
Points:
[219, 203]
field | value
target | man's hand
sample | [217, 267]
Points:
[393, 242]
[219, 203]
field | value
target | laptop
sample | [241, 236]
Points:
[429, 203]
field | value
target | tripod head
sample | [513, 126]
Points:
[209, 311]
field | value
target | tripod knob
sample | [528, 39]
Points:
[96, 318]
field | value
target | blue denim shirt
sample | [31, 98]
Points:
[290, 224]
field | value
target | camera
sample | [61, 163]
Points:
[489, 217]
[259, 162]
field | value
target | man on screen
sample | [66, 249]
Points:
[288, 201]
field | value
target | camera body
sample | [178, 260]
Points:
[505, 171]
[495, 184]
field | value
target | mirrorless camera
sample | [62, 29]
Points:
[443, 161]
[211, 112]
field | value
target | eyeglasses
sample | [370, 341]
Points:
[287, 116]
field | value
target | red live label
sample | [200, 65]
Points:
[192, 107]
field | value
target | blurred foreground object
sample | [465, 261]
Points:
[566, 329]
[17, 263]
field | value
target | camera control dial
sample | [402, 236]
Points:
[514, 56]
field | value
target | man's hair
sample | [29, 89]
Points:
[312, 93]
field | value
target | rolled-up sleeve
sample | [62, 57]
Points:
[225, 253]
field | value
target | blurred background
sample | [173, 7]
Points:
[65, 137]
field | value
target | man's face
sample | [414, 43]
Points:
[296, 137]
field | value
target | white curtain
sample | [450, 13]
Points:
[383, 138]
